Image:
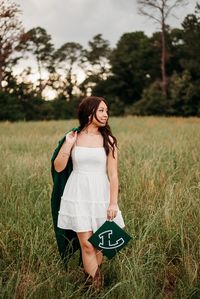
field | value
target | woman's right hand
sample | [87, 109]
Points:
[71, 138]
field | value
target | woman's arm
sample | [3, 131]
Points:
[65, 151]
[112, 166]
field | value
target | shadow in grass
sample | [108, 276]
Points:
[110, 278]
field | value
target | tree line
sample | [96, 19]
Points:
[141, 75]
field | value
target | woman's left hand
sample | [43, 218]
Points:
[112, 211]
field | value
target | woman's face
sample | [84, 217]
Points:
[102, 115]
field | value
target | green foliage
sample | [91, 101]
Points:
[128, 76]
[183, 98]
[106, 88]
[99, 49]
[68, 54]
[33, 108]
[30, 107]
[191, 44]
[116, 106]
[10, 108]
[67, 58]
[11, 33]
[96, 63]
[132, 63]
[152, 102]
[63, 109]
[40, 44]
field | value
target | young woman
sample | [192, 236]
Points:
[90, 196]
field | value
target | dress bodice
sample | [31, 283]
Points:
[89, 159]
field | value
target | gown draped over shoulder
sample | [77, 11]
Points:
[86, 194]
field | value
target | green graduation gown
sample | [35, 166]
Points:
[67, 240]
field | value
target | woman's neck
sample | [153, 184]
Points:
[91, 130]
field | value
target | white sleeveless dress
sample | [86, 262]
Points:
[86, 194]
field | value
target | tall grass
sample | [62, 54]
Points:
[159, 171]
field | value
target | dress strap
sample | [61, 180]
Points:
[76, 141]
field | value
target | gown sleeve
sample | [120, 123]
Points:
[67, 240]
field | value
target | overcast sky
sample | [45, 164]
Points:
[80, 20]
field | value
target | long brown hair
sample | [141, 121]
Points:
[87, 108]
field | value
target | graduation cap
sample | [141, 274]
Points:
[109, 238]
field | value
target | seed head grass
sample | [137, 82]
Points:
[159, 196]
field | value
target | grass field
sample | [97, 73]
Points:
[159, 171]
